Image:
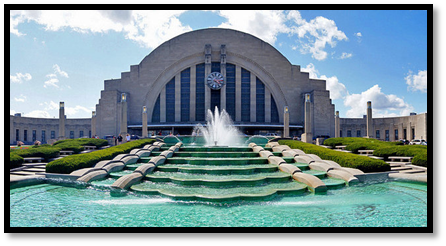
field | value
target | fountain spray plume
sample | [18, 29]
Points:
[219, 130]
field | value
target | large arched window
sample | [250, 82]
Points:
[245, 85]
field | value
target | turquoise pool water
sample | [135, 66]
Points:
[389, 204]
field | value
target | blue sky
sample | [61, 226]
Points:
[364, 55]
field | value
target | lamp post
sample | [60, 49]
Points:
[286, 122]
[61, 120]
[144, 122]
[308, 135]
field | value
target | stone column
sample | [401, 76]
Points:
[369, 120]
[123, 128]
[193, 92]
[93, 123]
[337, 125]
[267, 105]
[238, 93]
[253, 101]
[163, 105]
[177, 98]
[223, 72]
[207, 71]
[286, 122]
[307, 137]
[61, 121]
[144, 122]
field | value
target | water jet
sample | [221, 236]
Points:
[219, 129]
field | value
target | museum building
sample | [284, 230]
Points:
[174, 86]
[180, 80]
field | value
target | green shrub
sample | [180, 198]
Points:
[84, 142]
[363, 163]
[15, 160]
[77, 145]
[73, 146]
[382, 149]
[72, 163]
[420, 160]
[419, 153]
[45, 152]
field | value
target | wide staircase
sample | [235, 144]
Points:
[219, 174]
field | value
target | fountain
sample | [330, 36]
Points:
[219, 130]
[257, 139]
[171, 139]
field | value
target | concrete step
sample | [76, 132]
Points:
[400, 168]
[412, 171]
[399, 162]
[39, 170]
[22, 173]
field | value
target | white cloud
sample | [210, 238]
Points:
[318, 33]
[59, 72]
[75, 111]
[150, 28]
[21, 98]
[14, 20]
[268, 24]
[19, 77]
[51, 82]
[311, 69]
[265, 24]
[50, 105]
[345, 55]
[358, 36]
[53, 77]
[38, 114]
[417, 82]
[337, 89]
[383, 105]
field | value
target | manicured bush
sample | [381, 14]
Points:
[359, 143]
[383, 149]
[77, 145]
[73, 146]
[363, 163]
[84, 142]
[15, 160]
[45, 152]
[420, 160]
[72, 163]
[419, 153]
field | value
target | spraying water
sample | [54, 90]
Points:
[219, 130]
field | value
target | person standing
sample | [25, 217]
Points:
[119, 139]
[127, 137]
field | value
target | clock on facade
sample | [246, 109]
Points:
[215, 80]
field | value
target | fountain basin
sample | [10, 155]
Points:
[265, 192]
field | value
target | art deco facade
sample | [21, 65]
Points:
[171, 82]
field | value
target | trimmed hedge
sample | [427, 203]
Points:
[77, 145]
[418, 152]
[45, 152]
[72, 163]
[355, 144]
[84, 142]
[363, 163]
[383, 149]
[15, 160]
